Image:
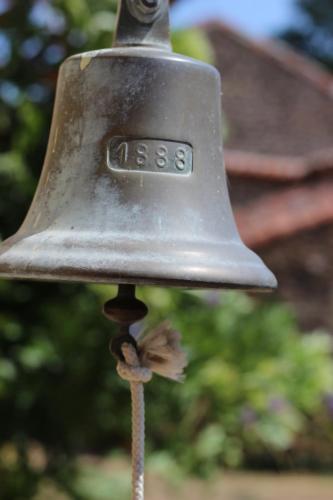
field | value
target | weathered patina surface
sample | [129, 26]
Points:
[133, 189]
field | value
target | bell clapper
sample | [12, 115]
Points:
[125, 309]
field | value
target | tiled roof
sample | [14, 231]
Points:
[275, 167]
[281, 214]
[278, 108]
[275, 102]
[282, 54]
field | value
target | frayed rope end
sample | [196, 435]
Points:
[161, 352]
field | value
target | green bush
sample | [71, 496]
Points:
[253, 384]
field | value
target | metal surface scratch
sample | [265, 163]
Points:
[37, 219]
[85, 61]
[55, 140]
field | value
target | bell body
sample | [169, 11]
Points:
[133, 188]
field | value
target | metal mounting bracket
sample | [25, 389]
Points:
[143, 22]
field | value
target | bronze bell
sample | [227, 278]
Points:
[133, 189]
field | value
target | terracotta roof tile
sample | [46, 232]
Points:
[281, 214]
[275, 167]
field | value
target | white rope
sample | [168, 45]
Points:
[159, 352]
[137, 376]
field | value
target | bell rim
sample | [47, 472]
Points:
[139, 281]
[206, 265]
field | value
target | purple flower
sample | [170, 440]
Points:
[328, 400]
[212, 298]
[277, 404]
[248, 416]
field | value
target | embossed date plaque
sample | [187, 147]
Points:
[150, 155]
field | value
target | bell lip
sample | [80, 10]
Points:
[170, 283]
[57, 257]
[89, 278]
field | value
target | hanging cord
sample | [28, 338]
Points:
[158, 352]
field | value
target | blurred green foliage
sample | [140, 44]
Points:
[253, 379]
[255, 385]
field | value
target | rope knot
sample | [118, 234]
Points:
[158, 352]
[131, 369]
